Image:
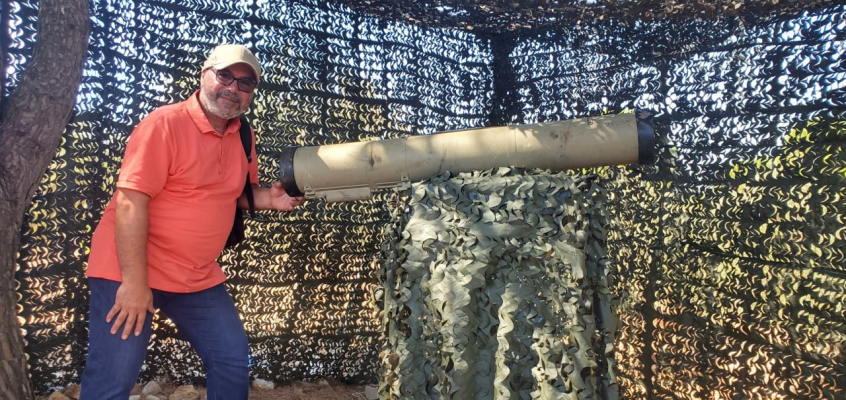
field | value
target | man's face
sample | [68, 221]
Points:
[225, 102]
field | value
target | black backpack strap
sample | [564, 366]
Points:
[247, 141]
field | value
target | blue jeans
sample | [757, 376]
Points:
[207, 319]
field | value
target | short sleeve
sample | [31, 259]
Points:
[147, 160]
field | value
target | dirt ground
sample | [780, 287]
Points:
[309, 391]
[303, 391]
[323, 390]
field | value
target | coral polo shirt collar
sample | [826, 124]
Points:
[195, 111]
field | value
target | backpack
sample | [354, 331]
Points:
[236, 235]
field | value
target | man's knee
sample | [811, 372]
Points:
[236, 350]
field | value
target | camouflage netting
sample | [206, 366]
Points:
[729, 251]
[723, 263]
[506, 16]
[496, 286]
[303, 280]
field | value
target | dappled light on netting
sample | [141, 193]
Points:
[717, 273]
[303, 280]
[730, 250]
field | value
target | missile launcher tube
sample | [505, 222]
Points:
[353, 171]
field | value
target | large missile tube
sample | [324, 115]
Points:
[353, 171]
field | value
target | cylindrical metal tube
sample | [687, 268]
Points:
[352, 171]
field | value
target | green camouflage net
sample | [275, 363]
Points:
[728, 255]
[736, 289]
[496, 287]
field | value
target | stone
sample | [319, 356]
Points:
[263, 384]
[151, 389]
[152, 397]
[73, 390]
[135, 397]
[371, 392]
[58, 396]
[185, 392]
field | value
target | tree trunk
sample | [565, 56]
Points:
[32, 121]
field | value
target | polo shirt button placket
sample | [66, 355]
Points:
[220, 158]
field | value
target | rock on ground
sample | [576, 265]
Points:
[58, 396]
[186, 392]
[152, 388]
[72, 391]
[263, 384]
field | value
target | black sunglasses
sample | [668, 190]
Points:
[226, 78]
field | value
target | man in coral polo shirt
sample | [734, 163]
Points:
[157, 243]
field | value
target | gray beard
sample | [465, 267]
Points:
[209, 100]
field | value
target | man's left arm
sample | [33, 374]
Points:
[272, 198]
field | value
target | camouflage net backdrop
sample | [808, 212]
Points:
[496, 286]
[729, 252]
[302, 280]
[727, 257]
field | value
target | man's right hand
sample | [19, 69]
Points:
[131, 305]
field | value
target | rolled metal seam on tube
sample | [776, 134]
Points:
[353, 171]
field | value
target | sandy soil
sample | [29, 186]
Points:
[323, 390]
[310, 391]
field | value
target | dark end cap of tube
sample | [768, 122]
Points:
[646, 152]
[286, 172]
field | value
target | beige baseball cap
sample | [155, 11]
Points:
[229, 54]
